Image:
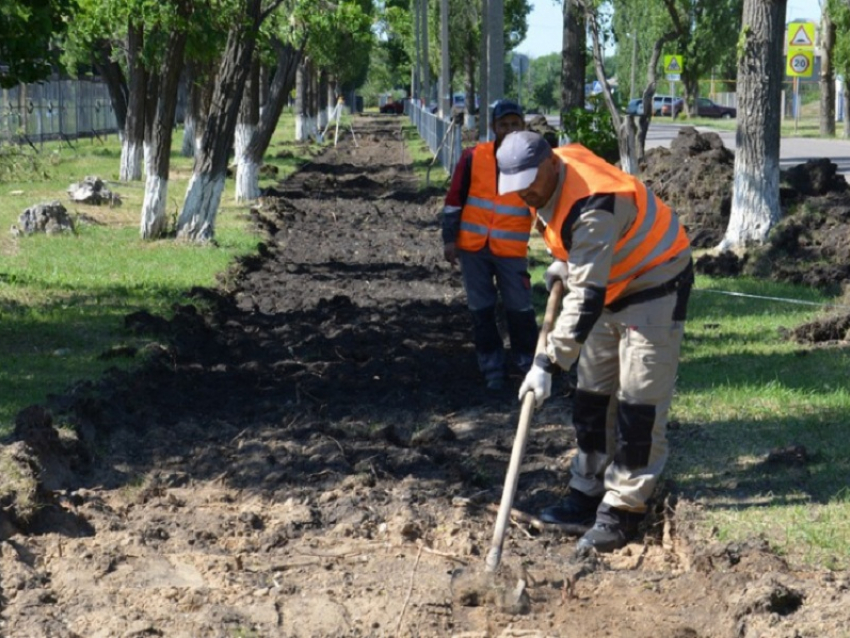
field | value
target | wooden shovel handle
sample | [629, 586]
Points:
[494, 556]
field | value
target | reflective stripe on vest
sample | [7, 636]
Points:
[656, 236]
[503, 221]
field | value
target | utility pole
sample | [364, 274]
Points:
[483, 69]
[445, 100]
[425, 62]
[417, 70]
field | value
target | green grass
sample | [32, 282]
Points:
[63, 298]
[744, 391]
[426, 170]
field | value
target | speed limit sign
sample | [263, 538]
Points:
[800, 62]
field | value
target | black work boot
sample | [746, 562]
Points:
[612, 530]
[577, 511]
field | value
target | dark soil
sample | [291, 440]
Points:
[309, 451]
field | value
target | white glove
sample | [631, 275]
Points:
[557, 270]
[539, 382]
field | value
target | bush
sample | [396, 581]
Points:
[593, 129]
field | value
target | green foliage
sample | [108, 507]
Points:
[839, 13]
[28, 29]
[593, 129]
[545, 72]
[21, 163]
[341, 40]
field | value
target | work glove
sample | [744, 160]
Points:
[539, 382]
[557, 270]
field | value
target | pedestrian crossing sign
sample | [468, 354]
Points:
[801, 35]
[673, 64]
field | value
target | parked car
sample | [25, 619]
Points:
[635, 106]
[396, 107]
[674, 107]
[707, 108]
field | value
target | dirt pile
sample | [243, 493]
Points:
[694, 177]
[309, 451]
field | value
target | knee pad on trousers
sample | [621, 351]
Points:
[590, 412]
[485, 331]
[635, 423]
[522, 330]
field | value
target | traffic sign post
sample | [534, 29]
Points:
[800, 62]
[673, 67]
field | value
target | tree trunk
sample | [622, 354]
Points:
[469, 118]
[445, 100]
[496, 51]
[116, 83]
[573, 58]
[623, 125]
[264, 86]
[154, 220]
[249, 112]
[192, 119]
[203, 194]
[846, 109]
[248, 169]
[313, 100]
[324, 114]
[827, 75]
[483, 74]
[134, 137]
[301, 102]
[426, 63]
[417, 65]
[649, 93]
[755, 197]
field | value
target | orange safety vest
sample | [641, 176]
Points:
[656, 236]
[504, 220]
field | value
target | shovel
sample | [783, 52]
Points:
[472, 588]
[494, 556]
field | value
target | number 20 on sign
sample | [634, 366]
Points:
[800, 63]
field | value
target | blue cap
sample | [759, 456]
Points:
[501, 108]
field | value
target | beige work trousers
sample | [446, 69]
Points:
[628, 363]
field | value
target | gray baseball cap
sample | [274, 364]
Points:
[518, 158]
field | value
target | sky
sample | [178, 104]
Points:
[545, 24]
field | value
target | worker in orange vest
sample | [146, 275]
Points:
[625, 261]
[488, 233]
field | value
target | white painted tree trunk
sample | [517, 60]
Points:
[323, 119]
[203, 196]
[755, 196]
[131, 162]
[148, 153]
[154, 213]
[187, 148]
[247, 180]
[241, 139]
[300, 128]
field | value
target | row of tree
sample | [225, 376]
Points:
[239, 59]
[740, 39]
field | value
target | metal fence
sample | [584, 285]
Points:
[442, 136]
[58, 109]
